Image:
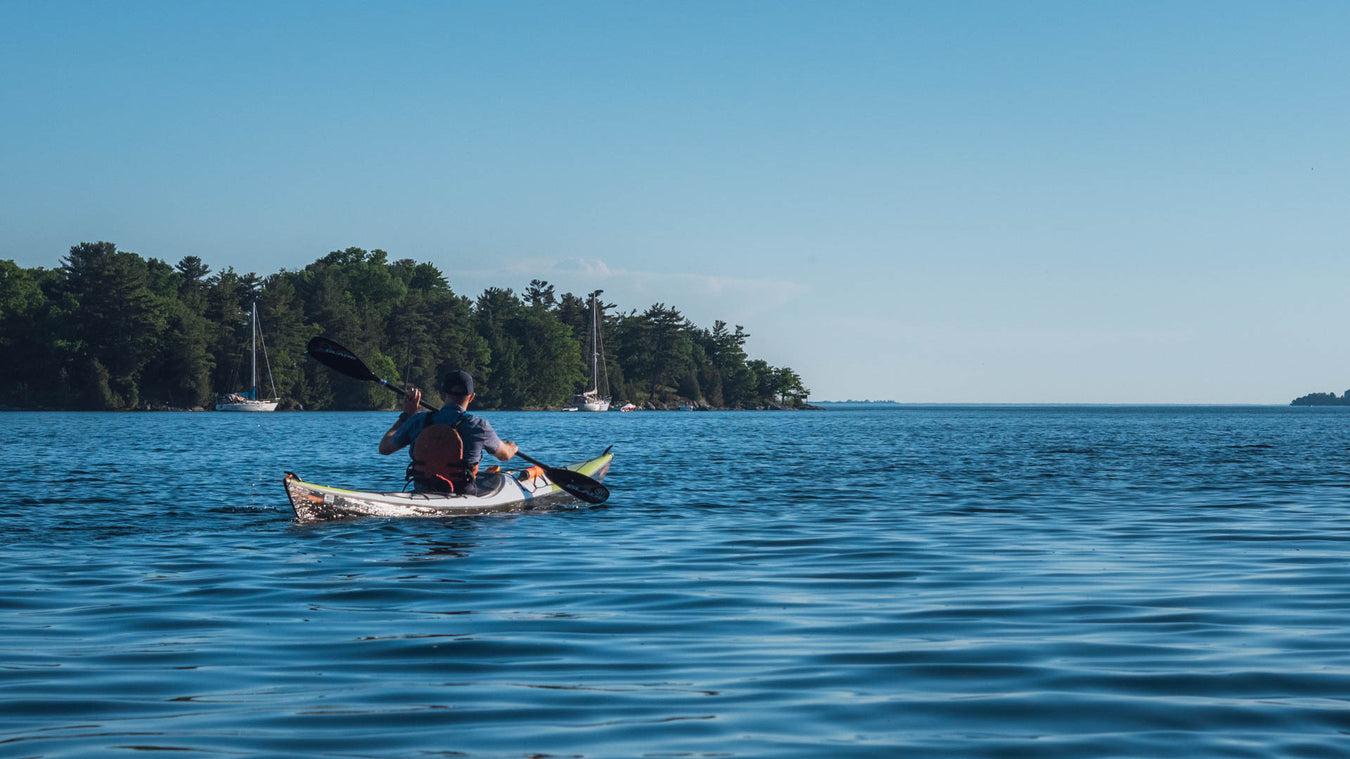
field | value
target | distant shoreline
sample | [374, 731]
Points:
[199, 410]
[816, 406]
[1322, 399]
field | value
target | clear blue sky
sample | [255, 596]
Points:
[926, 202]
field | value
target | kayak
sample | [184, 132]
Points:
[499, 491]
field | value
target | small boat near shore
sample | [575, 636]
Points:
[597, 397]
[505, 491]
[249, 400]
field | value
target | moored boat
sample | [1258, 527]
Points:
[505, 491]
[243, 402]
[596, 398]
[249, 400]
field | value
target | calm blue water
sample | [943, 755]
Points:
[912, 581]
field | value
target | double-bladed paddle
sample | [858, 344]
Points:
[343, 361]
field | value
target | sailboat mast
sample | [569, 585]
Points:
[253, 350]
[595, 348]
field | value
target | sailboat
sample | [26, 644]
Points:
[597, 397]
[249, 400]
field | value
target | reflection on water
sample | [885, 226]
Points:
[433, 549]
[1057, 582]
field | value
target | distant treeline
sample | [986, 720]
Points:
[112, 330]
[1322, 399]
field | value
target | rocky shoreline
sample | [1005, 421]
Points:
[701, 406]
[648, 406]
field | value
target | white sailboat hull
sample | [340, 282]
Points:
[594, 405]
[247, 405]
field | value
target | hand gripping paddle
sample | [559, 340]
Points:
[343, 361]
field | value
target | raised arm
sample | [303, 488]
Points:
[388, 443]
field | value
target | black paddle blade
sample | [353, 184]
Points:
[579, 485]
[339, 359]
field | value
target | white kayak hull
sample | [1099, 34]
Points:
[515, 491]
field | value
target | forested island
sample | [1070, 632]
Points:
[112, 330]
[1322, 399]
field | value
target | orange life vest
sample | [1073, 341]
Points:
[438, 463]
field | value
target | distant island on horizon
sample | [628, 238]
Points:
[1322, 399]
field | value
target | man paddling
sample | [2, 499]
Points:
[447, 445]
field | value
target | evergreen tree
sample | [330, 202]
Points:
[549, 350]
[669, 353]
[117, 321]
[502, 383]
[22, 308]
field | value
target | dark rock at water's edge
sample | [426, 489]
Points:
[1322, 399]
